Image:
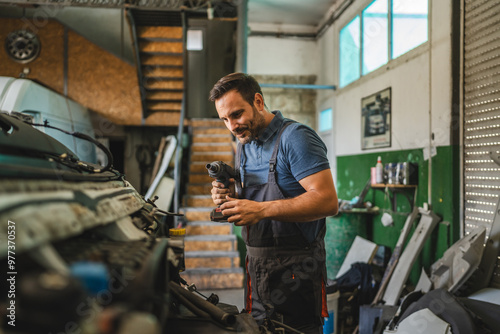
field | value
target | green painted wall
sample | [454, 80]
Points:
[353, 173]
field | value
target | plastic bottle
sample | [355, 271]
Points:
[176, 236]
[379, 171]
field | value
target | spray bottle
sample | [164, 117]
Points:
[379, 171]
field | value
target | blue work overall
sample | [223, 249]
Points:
[285, 272]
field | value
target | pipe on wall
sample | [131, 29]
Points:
[242, 31]
[180, 129]
[297, 86]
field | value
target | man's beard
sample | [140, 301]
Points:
[256, 125]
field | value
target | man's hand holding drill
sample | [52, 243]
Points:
[219, 192]
[237, 211]
[222, 187]
[242, 211]
[230, 209]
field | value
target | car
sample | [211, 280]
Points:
[45, 106]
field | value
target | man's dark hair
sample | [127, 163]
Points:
[244, 84]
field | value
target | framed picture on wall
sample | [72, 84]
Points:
[376, 120]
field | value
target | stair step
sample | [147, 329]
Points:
[212, 259]
[163, 95]
[164, 105]
[215, 278]
[156, 71]
[210, 243]
[210, 131]
[153, 83]
[165, 118]
[159, 39]
[211, 156]
[160, 78]
[212, 254]
[200, 178]
[198, 200]
[200, 167]
[154, 46]
[162, 90]
[164, 100]
[152, 60]
[151, 66]
[217, 138]
[159, 31]
[207, 122]
[199, 189]
[199, 213]
[212, 147]
[192, 209]
[212, 262]
[208, 228]
[163, 111]
[158, 53]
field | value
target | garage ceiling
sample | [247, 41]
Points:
[107, 28]
[299, 12]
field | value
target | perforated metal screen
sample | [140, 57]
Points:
[481, 111]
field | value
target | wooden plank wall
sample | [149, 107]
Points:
[102, 81]
[48, 67]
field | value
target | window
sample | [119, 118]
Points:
[409, 25]
[194, 40]
[369, 41]
[325, 120]
[349, 52]
[375, 36]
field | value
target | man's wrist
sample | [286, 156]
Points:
[266, 209]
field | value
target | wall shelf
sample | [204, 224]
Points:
[388, 185]
[373, 210]
[393, 189]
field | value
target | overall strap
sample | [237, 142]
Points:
[237, 164]
[237, 161]
[272, 161]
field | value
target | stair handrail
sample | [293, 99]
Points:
[138, 63]
[180, 129]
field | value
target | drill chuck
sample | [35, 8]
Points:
[222, 173]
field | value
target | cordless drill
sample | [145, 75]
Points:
[221, 172]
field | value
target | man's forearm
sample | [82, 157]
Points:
[306, 207]
[318, 201]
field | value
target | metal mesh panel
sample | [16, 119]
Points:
[481, 111]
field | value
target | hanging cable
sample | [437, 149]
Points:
[83, 136]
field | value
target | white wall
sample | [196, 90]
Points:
[413, 116]
[281, 56]
[409, 112]
[327, 73]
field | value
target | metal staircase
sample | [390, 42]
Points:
[160, 55]
[212, 257]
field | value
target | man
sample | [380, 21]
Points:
[283, 192]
